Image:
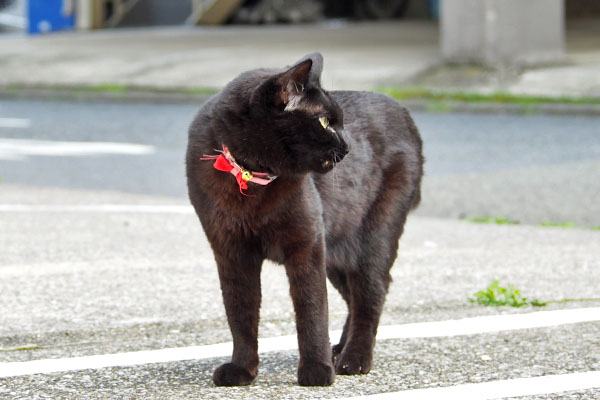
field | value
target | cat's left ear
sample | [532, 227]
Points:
[293, 83]
[316, 69]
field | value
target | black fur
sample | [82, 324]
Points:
[327, 214]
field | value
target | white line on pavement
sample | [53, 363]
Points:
[467, 326]
[490, 323]
[15, 21]
[497, 389]
[20, 149]
[48, 366]
[15, 123]
[99, 208]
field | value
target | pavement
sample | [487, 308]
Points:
[357, 56]
[82, 280]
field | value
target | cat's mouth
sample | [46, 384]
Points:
[329, 163]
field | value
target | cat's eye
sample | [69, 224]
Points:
[324, 122]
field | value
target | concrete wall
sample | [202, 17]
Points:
[502, 32]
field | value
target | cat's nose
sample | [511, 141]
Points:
[344, 142]
[345, 147]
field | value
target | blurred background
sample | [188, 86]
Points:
[42, 16]
[503, 36]
[100, 251]
[98, 14]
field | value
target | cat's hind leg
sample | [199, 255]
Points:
[363, 285]
[368, 295]
[368, 281]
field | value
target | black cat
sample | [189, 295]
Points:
[322, 183]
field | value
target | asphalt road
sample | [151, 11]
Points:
[528, 168]
[86, 270]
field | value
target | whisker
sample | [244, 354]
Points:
[334, 178]
[346, 174]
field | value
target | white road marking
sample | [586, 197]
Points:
[48, 366]
[497, 389]
[98, 208]
[467, 326]
[490, 323]
[15, 123]
[15, 21]
[20, 149]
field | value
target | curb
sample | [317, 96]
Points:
[501, 108]
[81, 94]
[173, 96]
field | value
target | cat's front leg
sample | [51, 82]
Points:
[239, 274]
[306, 274]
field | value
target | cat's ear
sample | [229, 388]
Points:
[293, 83]
[316, 69]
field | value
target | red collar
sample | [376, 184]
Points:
[226, 163]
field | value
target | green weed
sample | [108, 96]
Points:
[114, 88]
[106, 88]
[404, 93]
[200, 90]
[497, 296]
[559, 224]
[492, 220]
[485, 219]
[437, 107]
[25, 347]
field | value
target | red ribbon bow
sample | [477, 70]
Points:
[226, 163]
[223, 164]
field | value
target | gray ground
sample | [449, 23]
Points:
[96, 283]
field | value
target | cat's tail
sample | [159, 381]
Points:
[419, 158]
[416, 199]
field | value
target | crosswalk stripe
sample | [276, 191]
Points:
[15, 123]
[467, 326]
[20, 149]
[540, 385]
[98, 208]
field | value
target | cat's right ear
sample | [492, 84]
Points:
[292, 85]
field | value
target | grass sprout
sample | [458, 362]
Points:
[497, 296]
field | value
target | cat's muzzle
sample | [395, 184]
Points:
[335, 155]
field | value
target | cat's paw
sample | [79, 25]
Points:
[232, 375]
[352, 364]
[337, 349]
[315, 374]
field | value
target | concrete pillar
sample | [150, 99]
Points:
[502, 32]
[83, 19]
[90, 14]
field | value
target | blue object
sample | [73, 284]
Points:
[434, 8]
[49, 15]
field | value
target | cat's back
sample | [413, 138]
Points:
[378, 117]
[381, 131]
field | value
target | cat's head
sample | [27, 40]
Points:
[290, 125]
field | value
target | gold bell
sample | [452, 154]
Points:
[246, 175]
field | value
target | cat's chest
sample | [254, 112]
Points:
[281, 215]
